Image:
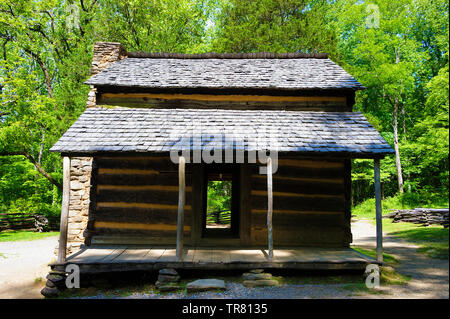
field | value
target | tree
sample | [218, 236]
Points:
[272, 26]
[41, 91]
[154, 26]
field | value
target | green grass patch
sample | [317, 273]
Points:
[389, 259]
[433, 240]
[17, 235]
[366, 209]
[390, 277]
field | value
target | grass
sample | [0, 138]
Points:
[388, 274]
[433, 240]
[389, 259]
[17, 235]
[366, 209]
[390, 277]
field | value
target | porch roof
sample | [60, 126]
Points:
[106, 130]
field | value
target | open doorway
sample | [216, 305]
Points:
[218, 203]
[221, 209]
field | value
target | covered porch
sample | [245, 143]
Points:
[139, 192]
[97, 259]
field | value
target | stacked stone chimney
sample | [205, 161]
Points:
[105, 53]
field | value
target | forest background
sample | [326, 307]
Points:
[397, 49]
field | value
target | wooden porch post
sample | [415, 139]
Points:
[269, 207]
[378, 210]
[181, 201]
[64, 211]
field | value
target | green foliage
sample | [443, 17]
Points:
[403, 61]
[373, 253]
[154, 26]
[19, 235]
[273, 26]
[219, 202]
[24, 190]
[433, 240]
[366, 209]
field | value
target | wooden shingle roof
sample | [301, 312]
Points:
[232, 71]
[102, 130]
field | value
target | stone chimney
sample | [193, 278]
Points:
[105, 53]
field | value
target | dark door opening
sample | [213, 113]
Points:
[221, 199]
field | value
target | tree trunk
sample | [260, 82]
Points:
[398, 164]
[44, 70]
[397, 150]
[404, 122]
[37, 166]
[41, 149]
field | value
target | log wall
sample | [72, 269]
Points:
[136, 200]
[331, 103]
[310, 204]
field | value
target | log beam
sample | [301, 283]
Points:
[227, 98]
[269, 207]
[62, 250]
[181, 202]
[378, 214]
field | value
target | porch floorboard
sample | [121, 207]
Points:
[129, 258]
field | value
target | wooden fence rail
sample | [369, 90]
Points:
[424, 216]
[28, 221]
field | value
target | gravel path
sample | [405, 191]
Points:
[21, 263]
[238, 291]
[429, 276]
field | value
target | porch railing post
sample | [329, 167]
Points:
[269, 207]
[64, 211]
[378, 215]
[181, 201]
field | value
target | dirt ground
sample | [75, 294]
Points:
[429, 276]
[22, 262]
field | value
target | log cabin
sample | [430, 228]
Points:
[129, 203]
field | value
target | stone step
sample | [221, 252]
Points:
[205, 285]
[252, 276]
[260, 283]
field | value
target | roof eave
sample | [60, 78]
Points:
[105, 85]
[341, 155]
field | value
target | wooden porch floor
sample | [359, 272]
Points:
[129, 258]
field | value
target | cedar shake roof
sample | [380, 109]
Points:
[226, 71]
[105, 130]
